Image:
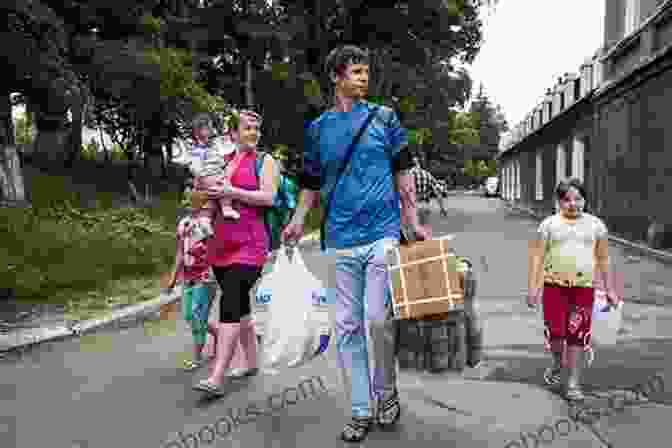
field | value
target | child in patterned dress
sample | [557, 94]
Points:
[199, 285]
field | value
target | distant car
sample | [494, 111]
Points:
[491, 187]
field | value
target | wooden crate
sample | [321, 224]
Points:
[425, 279]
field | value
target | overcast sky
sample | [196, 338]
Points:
[529, 43]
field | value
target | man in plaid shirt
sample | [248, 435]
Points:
[427, 187]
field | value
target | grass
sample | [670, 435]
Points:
[91, 260]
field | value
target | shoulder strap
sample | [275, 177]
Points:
[346, 162]
[259, 163]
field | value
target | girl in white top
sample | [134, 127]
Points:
[568, 260]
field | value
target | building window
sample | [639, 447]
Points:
[631, 16]
[586, 157]
[577, 89]
[539, 186]
[578, 163]
[509, 181]
[517, 168]
[561, 164]
[506, 182]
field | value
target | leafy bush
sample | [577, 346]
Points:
[90, 150]
[117, 153]
[58, 250]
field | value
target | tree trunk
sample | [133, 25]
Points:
[103, 145]
[11, 176]
[12, 189]
[52, 138]
[78, 111]
[6, 123]
[51, 144]
[151, 148]
[249, 78]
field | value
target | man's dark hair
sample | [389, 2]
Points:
[563, 188]
[339, 59]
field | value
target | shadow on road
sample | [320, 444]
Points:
[620, 366]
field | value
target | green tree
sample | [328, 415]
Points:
[463, 128]
[287, 42]
[491, 123]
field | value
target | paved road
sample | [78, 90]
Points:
[122, 388]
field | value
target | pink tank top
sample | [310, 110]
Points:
[243, 241]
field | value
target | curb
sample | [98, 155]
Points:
[660, 255]
[25, 340]
[22, 340]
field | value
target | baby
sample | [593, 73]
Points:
[209, 166]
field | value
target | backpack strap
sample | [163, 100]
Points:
[259, 164]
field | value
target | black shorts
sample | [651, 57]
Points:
[236, 282]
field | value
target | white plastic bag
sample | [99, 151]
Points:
[261, 299]
[606, 319]
[297, 327]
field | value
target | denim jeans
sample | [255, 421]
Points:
[364, 325]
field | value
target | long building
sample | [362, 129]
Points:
[607, 125]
